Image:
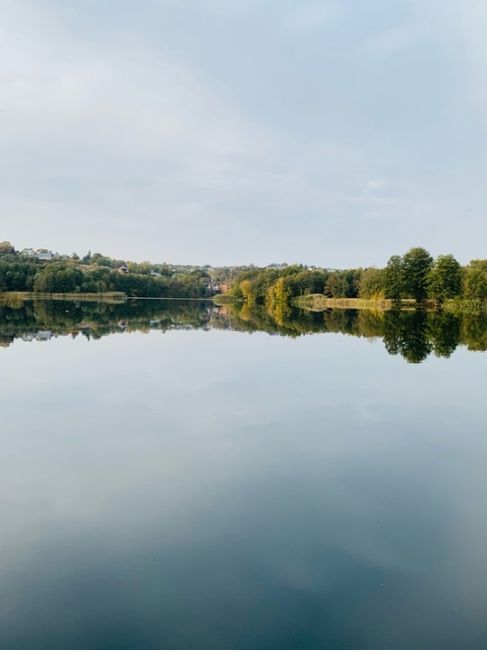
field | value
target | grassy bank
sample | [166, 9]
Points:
[319, 302]
[20, 296]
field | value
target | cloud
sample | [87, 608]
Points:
[195, 132]
[111, 131]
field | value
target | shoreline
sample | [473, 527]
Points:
[318, 302]
[310, 302]
[21, 296]
[108, 296]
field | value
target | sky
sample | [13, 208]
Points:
[325, 132]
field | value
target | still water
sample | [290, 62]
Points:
[168, 480]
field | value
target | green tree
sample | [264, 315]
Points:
[475, 280]
[371, 283]
[336, 285]
[58, 278]
[416, 264]
[394, 278]
[445, 278]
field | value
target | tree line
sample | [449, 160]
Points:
[99, 274]
[416, 275]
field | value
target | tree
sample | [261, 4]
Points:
[6, 247]
[371, 283]
[280, 291]
[394, 278]
[58, 278]
[445, 278]
[416, 265]
[475, 280]
[336, 285]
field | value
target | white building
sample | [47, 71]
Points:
[44, 255]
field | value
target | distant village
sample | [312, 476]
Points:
[214, 279]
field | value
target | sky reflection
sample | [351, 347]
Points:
[214, 490]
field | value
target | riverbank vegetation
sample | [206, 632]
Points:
[319, 302]
[412, 279]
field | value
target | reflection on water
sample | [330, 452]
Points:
[414, 334]
[204, 489]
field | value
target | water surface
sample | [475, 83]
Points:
[169, 481]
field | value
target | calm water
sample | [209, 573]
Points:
[169, 481]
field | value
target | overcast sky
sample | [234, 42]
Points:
[230, 131]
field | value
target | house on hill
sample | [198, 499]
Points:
[123, 269]
[44, 255]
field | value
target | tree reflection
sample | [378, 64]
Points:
[444, 331]
[405, 333]
[412, 334]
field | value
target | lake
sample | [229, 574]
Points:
[186, 477]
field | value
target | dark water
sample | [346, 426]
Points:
[169, 481]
